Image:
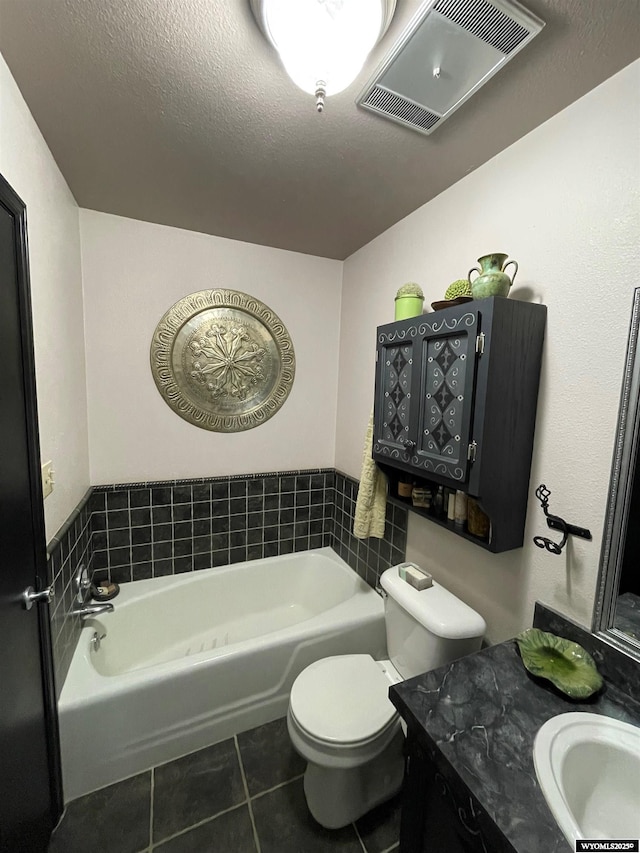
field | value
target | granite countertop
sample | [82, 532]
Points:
[477, 719]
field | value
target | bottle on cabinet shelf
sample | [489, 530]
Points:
[438, 503]
[405, 488]
[421, 497]
[478, 523]
[450, 500]
[460, 512]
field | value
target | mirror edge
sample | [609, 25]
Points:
[620, 488]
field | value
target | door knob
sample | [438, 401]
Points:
[31, 597]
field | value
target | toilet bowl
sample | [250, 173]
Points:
[342, 722]
[340, 718]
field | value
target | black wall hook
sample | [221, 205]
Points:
[556, 523]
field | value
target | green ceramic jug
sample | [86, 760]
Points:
[492, 281]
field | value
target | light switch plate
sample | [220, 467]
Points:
[47, 479]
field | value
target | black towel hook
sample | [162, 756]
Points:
[557, 523]
[542, 493]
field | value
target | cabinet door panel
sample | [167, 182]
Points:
[393, 409]
[447, 356]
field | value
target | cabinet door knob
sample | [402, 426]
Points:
[409, 445]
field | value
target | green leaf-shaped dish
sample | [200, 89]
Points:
[565, 664]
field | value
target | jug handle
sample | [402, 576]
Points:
[513, 277]
[473, 269]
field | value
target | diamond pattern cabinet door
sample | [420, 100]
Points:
[394, 400]
[459, 377]
[447, 369]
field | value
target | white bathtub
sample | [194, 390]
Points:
[192, 659]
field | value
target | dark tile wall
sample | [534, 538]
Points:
[67, 551]
[143, 530]
[369, 557]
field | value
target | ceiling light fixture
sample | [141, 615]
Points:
[323, 44]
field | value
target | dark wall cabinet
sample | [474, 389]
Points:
[455, 405]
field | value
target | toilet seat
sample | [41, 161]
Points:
[343, 701]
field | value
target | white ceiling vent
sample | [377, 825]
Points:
[449, 50]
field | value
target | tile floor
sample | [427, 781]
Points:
[243, 795]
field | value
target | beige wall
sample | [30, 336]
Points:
[56, 291]
[563, 202]
[133, 272]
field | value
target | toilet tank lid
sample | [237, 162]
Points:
[438, 610]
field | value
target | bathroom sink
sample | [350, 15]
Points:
[588, 767]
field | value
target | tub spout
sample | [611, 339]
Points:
[85, 611]
[83, 606]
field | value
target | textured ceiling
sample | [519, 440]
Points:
[178, 112]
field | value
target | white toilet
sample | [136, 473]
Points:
[340, 718]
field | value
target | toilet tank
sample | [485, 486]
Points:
[429, 628]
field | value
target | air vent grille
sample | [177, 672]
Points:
[400, 109]
[447, 52]
[485, 21]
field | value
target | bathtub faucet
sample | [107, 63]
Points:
[86, 611]
[83, 606]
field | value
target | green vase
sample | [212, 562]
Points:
[493, 280]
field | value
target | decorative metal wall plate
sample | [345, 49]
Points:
[222, 360]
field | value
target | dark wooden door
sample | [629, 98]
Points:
[30, 779]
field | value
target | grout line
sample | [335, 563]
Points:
[275, 787]
[155, 845]
[153, 788]
[359, 837]
[246, 791]
[393, 847]
[130, 536]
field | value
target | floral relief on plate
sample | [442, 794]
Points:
[222, 360]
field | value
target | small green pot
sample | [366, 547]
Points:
[408, 306]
